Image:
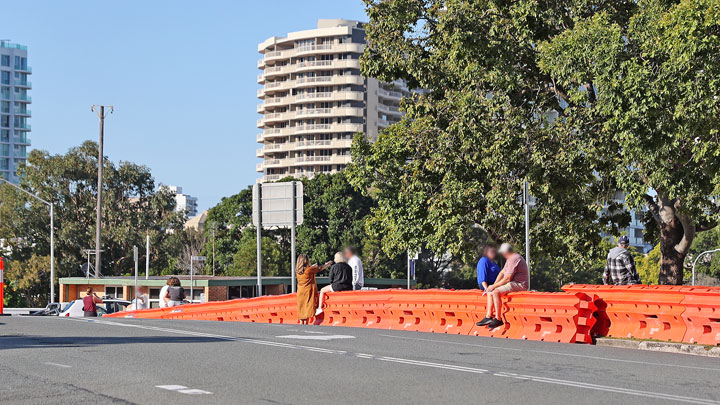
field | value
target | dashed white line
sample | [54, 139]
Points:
[417, 363]
[57, 365]
[183, 389]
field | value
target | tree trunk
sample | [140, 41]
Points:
[676, 235]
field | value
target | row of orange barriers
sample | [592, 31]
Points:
[560, 317]
[669, 313]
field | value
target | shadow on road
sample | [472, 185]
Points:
[45, 342]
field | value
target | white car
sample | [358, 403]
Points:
[74, 309]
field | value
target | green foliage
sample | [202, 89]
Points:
[132, 207]
[227, 219]
[648, 265]
[708, 264]
[464, 148]
[645, 84]
[28, 281]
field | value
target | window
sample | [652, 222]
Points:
[5, 60]
[5, 77]
[4, 135]
[115, 292]
[638, 233]
[5, 107]
[5, 121]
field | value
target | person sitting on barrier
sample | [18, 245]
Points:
[358, 278]
[513, 277]
[620, 265]
[340, 280]
[307, 297]
[141, 300]
[163, 292]
[487, 269]
[175, 293]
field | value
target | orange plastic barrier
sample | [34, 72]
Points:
[637, 311]
[702, 315]
[357, 309]
[553, 317]
[562, 317]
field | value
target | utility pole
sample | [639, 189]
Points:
[526, 198]
[100, 111]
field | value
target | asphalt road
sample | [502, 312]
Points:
[50, 360]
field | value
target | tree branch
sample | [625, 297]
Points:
[688, 230]
[653, 207]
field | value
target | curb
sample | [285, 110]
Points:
[667, 347]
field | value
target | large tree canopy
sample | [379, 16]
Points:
[133, 207]
[485, 124]
[647, 87]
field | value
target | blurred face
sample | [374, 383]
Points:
[348, 254]
[491, 253]
[507, 255]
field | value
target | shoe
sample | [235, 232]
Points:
[495, 323]
[484, 321]
[318, 311]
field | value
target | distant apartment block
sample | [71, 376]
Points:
[314, 100]
[14, 112]
[184, 202]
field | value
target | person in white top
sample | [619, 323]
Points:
[358, 279]
[163, 293]
[141, 300]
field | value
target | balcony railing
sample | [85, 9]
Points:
[22, 126]
[23, 97]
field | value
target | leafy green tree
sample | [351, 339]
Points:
[334, 213]
[228, 218]
[648, 266]
[644, 84]
[708, 264]
[28, 280]
[132, 207]
[484, 125]
[275, 261]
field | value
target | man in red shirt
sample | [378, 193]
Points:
[513, 277]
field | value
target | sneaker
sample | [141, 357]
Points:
[495, 323]
[484, 321]
[318, 311]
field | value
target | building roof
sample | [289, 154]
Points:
[197, 222]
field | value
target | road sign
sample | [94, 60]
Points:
[277, 204]
[197, 258]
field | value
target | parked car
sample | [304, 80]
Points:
[74, 309]
[52, 309]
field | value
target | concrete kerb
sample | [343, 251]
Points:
[667, 347]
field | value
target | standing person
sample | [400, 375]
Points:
[175, 293]
[340, 279]
[90, 301]
[163, 293]
[358, 279]
[487, 269]
[307, 297]
[620, 265]
[513, 277]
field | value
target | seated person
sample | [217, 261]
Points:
[340, 279]
[513, 277]
[487, 269]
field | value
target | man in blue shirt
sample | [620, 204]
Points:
[487, 269]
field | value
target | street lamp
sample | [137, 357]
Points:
[697, 258]
[52, 236]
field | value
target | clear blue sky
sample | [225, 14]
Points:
[181, 75]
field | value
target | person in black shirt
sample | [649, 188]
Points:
[340, 279]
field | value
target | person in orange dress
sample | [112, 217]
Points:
[307, 292]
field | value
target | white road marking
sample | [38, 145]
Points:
[183, 389]
[315, 332]
[171, 387]
[316, 337]
[550, 352]
[194, 392]
[57, 365]
[453, 367]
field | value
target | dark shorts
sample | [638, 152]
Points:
[341, 287]
[90, 314]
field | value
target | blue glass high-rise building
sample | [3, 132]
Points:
[14, 112]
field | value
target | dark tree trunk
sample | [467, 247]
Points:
[676, 235]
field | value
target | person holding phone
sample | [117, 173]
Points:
[307, 291]
[90, 301]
